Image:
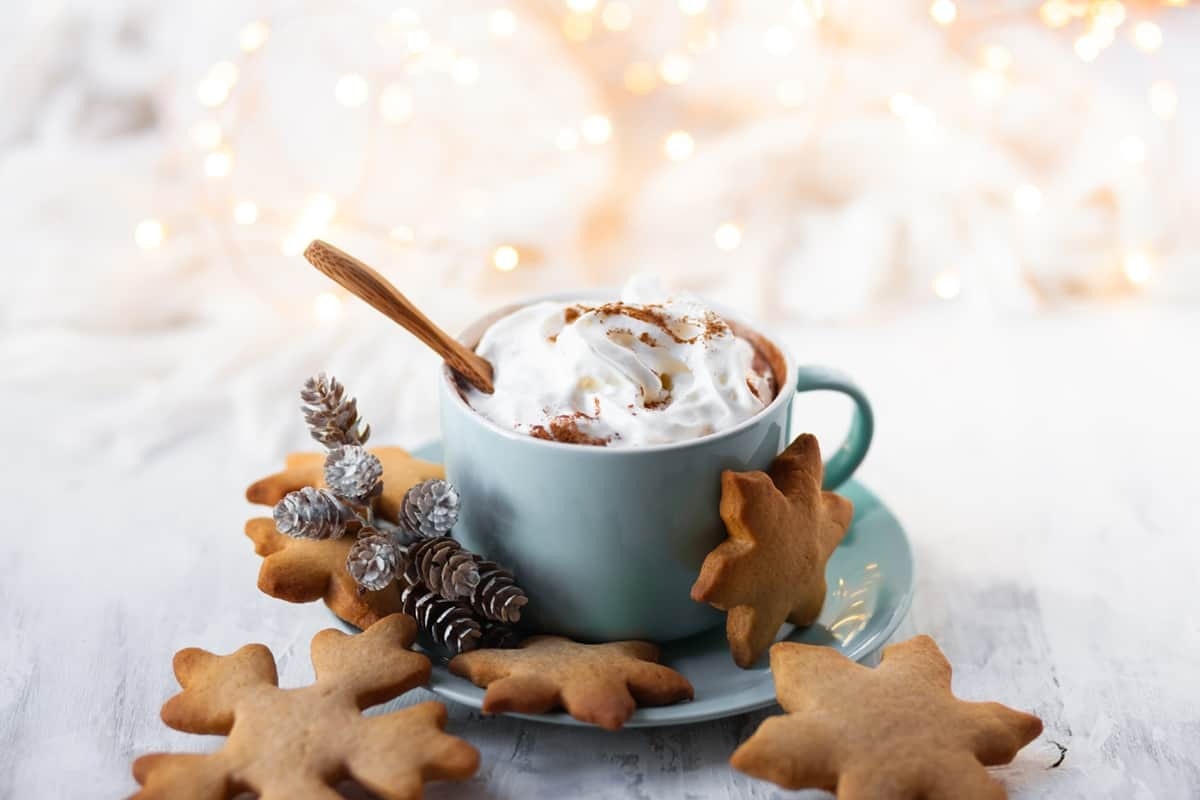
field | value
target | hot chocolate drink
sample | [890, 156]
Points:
[650, 368]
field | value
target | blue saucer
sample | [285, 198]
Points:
[870, 580]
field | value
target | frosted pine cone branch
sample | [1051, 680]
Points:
[331, 415]
[373, 560]
[310, 513]
[430, 508]
[447, 623]
[352, 472]
[497, 596]
[444, 566]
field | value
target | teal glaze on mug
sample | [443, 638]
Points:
[607, 542]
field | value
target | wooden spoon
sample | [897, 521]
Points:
[369, 285]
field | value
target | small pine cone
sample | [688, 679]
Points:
[444, 566]
[447, 623]
[373, 560]
[497, 596]
[430, 508]
[352, 472]
[499, 637]
[332, 417]
[310, 513]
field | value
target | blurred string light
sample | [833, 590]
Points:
[1092, 26]
[245, 213]
[149, 234]
[679, 145]
[506, 258]
[727, 236]
[1138, 267]
[947, 285]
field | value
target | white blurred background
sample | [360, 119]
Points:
[817, 163]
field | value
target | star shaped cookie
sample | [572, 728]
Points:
[598, 683]
[303, 570]
[782, 529]
[891, 733]
[299, 743]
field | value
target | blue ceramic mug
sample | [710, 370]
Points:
[608, 541]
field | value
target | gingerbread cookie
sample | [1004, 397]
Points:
[597, 683]
[782, 529]
[298, 743]
[303, 570]
[896, 731]
[400, 472]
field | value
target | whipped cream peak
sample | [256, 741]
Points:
[650, 368]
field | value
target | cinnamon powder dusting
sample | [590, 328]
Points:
[653, 314]
[565, 428]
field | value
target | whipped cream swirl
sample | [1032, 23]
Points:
[652, 368]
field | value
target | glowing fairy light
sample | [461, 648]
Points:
[616, 16]
[1138, 267]
[149, 234]
[1055, 13]
[640, 77]
[997, 58]
[217, 164]
[417, 41]
[943, 12]
[253, 35]
[327, 307]
[1027, 199]
[679, 145]
[693, 7]
[465, 71]
[502, 23]
[351, 90]
[577, 27]
[402, 234]
[245, 213]
[212, 92]
[582, 6]
[947, 285]
[596, 129]
[1163, 99]
[506, 258]
[674, 68]
[207, 134]
[1087, 47]
[727, 236]
[395, 103]
[1147, 36]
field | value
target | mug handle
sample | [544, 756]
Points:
[841, 464]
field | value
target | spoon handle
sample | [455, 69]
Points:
[364, 282]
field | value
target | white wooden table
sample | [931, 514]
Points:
[1046, 470]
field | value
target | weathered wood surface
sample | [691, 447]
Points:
[1046, 471]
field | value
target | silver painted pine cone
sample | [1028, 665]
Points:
[310, 513]
[430, 508]
[332, 417]
[352, 472]
[444, 566]
[373, 560]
